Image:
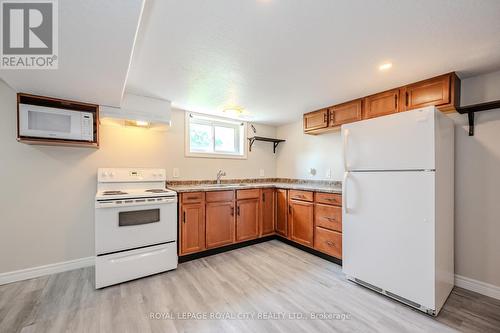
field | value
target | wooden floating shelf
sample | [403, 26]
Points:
[275, 142]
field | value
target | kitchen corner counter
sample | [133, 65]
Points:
[241, 186]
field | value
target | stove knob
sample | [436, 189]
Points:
[111, 174]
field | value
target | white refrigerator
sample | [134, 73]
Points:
[398, 206]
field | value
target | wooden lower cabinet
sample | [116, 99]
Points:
[192, 228]
[282, 212]
[301, 222]
[247, 219]
[220, 223]
[328, 241]
[268, 211]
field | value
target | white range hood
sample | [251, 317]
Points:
[139, 111]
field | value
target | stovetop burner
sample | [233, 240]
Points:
[157, 190]
[114, 193]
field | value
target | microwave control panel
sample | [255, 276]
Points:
[87, 126]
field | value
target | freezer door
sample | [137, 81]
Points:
[388, 232]
[402, 141]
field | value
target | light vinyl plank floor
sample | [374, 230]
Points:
[270, 278]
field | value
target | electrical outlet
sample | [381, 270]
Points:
[175, 173]
[261, 172]
[328, 173]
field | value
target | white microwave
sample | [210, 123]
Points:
[44, 122]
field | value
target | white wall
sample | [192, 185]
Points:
[47, 193]
[301, 152]
[477, 176]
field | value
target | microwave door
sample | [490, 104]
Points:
[39, 121]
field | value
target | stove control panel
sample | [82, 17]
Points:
[118, 175]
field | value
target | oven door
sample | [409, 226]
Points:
[119, 228]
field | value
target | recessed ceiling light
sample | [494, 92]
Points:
[385, 66]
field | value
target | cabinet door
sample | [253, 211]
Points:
[316, 120]
[345, 113]
[381, 104]
[302, 223]
[281, 212]
[219, 223]
[192, 228]
[435, 91]
[247, 219]
[268, 209]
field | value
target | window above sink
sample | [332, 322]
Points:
[208, 136]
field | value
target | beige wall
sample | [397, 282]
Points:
[46, 206]
[477, 176]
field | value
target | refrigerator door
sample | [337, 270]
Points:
[388, 232]
[402, 141]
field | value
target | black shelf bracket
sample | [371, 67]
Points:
[275, 142]
[472, 109]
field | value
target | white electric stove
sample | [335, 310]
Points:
[135, 225]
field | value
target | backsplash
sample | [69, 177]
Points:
[255, 180]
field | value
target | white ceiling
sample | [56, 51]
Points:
[96, 40]
[281, 58]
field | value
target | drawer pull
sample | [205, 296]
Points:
[331, 219]
[191, 198]
[331, 199]
[330, 243]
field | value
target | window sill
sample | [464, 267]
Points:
[217, 156]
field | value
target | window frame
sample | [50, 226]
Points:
[214, 121]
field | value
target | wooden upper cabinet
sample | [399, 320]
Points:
[281, 212]
[192, 228]
[220, 222]
[381, 104]
[268, 211]
[316, 120]
[345, 113]
[301, 222]
[247, 219]
[440, 91]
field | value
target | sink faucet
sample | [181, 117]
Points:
[220, 173]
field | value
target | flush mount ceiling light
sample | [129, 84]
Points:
[385, 66]
[234, 110]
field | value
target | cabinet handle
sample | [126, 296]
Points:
[191, 198]
[407, 98]
[331, 219]
[238, 210]
[396, 101]
[330, 243]
[232, 211]
[325, 117]
[184, 216]
[290, 209]
[263, 197]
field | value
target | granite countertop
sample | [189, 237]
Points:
[241, 186]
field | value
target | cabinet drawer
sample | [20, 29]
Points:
[220, 196]
[248, 194]
[329, 198]
[328, 241]
[192, 197]
[328, 217]
[301, 195]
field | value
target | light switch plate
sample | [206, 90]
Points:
[175, 173]
[261, 172]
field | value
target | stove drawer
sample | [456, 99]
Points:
[128, 265]
[125, 228]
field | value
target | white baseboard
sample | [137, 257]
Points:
[33, 272]
[477, 286]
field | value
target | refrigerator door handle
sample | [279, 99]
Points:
[344, 193]
[346, 135]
